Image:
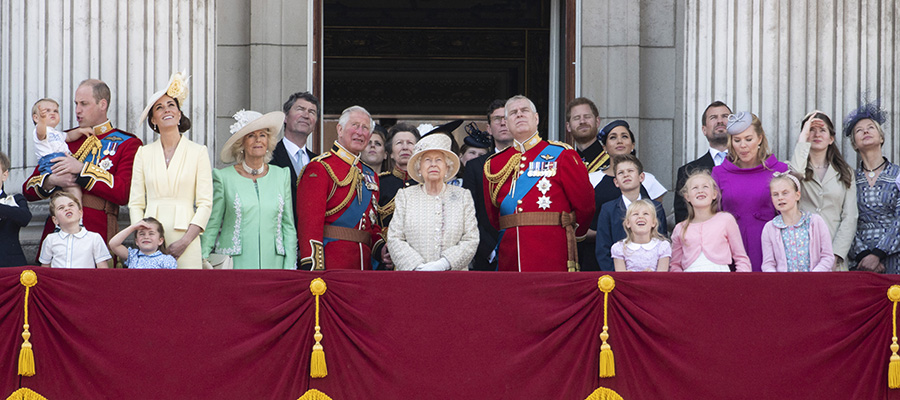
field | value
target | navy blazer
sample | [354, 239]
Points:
[11, 220]
[473, 179]
[705, 162]
[610, 229]
[281, 158]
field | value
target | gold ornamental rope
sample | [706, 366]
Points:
[497, 180]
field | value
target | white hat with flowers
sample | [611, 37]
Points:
[176, 89]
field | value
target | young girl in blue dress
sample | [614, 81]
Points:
[151, 246]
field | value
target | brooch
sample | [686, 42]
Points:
[106, 164]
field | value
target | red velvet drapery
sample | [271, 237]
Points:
[138, 334]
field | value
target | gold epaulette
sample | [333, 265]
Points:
[563, 144]
[321, 157]
[385, 173]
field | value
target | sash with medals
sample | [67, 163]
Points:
[356, 209]
[520, 187]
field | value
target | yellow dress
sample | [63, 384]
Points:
[178, 195]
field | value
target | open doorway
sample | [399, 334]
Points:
[434, 61]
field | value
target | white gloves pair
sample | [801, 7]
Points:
[440, 264]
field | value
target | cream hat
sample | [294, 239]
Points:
[433, 142]
[252, 121]
[176, 89]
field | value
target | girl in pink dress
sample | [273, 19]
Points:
[709, 240]
[644, 248]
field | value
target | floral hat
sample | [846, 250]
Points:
[248, 121]
[176, 89]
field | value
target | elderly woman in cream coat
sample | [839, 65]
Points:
[172, 177]
[251, 218]
[434, 226]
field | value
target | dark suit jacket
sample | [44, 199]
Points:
[610, 229]
[705, 162]
[281, 158]
[473, 179]
[11, 220]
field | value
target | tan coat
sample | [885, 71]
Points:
[829, 198]
[178, 195]
[426, 228]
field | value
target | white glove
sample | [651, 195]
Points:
[439, 265]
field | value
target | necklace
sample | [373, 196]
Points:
[252, 171]
[871, 172]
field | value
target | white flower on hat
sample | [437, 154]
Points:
[424, 128]
[243, 118]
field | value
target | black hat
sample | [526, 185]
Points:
[446, 128]
[477, 138]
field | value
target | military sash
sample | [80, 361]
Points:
[356, 209]
[543, 165]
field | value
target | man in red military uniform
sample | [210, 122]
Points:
[100, 164]
[537, 193]
[337, 199]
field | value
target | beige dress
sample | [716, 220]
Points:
[426, 228]
[178, 195]
[831, 199]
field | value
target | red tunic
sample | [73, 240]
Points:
[330, 184]
[106, 174]
[538, 248]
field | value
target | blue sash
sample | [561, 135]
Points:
[356, 209]
[524, 184]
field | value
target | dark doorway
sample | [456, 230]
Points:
[432, 59]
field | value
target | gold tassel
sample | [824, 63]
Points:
[604, 394]
[313, 394]
[894, 365]
[317, 367]
[25, 394]
[607, 360]
[26, 355]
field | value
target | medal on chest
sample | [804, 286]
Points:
[542, 168]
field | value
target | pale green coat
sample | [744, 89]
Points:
[256, 230]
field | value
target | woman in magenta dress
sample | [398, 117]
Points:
[744, 180]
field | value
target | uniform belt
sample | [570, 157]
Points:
[111, 209]
[348, 234]
[565, 220]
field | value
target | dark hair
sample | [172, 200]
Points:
[162, 233]
[184, 124]
[626, 158]
[832, 154]
[581, 101]
[101, 90]
[716, 103]
[399, 127]
[4, 162]
[497, 103]
[300, 95]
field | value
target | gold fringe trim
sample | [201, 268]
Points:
[317, 367]
[607, 360]
[313, 394]
[25, 394]
[893, 294]
[604, 394]
[26, 355]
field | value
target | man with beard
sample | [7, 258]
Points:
[582, 122]
[714, 124]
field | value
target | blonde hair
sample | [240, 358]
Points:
[762, 153]
[714, 206]
[634, 207]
